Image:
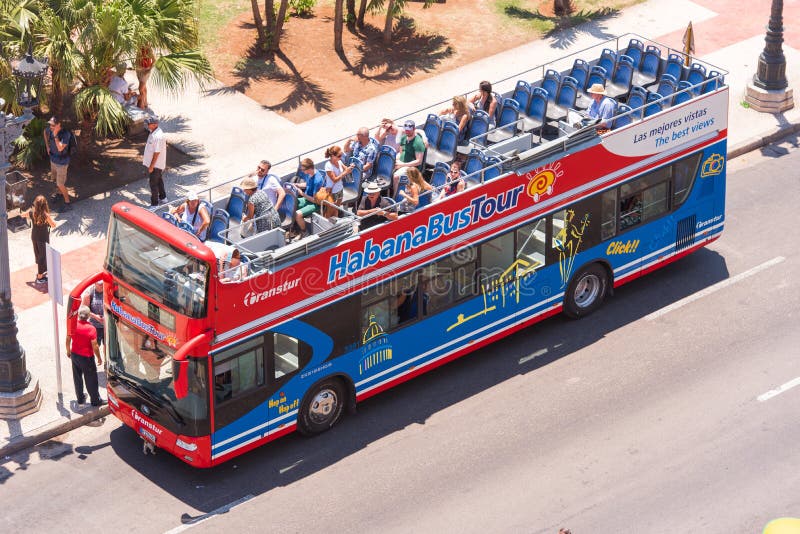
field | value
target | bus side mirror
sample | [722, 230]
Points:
[180, 370]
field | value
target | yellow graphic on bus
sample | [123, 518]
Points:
[568, 242]
[375, 346]
[712, 166]
[542, 180]
[501, 290]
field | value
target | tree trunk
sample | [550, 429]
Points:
[269, 14]
[362, 10]
[262, 35]
[338, 19]
[57, 97]
[276, 34]
[562, 8]
[351, 13]
[387, 28]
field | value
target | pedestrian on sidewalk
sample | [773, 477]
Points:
[93, 299]
[155, 160]
[56, 141]
[41, 223]
[81, 346]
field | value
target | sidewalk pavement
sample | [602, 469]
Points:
[229, 133]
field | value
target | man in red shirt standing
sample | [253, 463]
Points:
[81, 346]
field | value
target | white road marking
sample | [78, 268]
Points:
[221, 510]
[532, 356]
[712, 289]
[778, 390]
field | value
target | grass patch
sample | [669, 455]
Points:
[519, 13]
[214, 15]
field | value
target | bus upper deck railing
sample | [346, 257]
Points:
[522, 149]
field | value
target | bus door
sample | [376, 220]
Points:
[284, 355]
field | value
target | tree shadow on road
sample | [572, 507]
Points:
[564, 31]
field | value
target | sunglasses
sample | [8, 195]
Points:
[262, 169]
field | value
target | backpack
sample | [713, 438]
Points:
[72, 146]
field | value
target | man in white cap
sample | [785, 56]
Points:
[374, 208]
[155, 160]
[602, 107]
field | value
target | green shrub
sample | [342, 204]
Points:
[302, 8]
[30, 147]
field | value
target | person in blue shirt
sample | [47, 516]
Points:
[602, 107]
[56, 142]
[305, 192]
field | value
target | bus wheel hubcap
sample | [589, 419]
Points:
[587, 290]
[323, 406]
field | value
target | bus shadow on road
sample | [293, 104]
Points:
[292, 458]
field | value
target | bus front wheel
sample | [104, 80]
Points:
[322, 407]
[586, 292]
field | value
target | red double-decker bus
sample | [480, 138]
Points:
[208, 361]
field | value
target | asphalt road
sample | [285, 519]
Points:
[644, 417]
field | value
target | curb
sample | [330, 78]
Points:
[52, 430]
[757, 142]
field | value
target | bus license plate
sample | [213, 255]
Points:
[147, 435]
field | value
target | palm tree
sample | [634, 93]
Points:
[16, 19]
[338, 18]
[167, 44]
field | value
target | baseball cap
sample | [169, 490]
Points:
[151, 119]
[409, 125]
[53, 120]
[192, 196]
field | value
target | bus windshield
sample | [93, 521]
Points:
[147, 364]
[161, 271]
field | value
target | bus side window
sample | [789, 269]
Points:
[630, 211]
[608, 218]
[287, 355]
[239, 369]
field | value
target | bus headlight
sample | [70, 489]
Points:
[186, 446]
[113, 400]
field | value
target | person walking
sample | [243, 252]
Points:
[41, 223]
[155, 160]
[81, 347]
[56, 141]
[93, 300]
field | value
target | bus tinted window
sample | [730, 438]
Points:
[238, 369]
[684, 172]
[531, 243]
[164, 273]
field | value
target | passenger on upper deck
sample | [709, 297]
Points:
[455, 180]
[310, 181]
[335, 172]
[412, 150]
[231, 267]
[485, 99]
[387, 134]
[374, 208]
[416, 186]
[364, 148]
[602, 107]
[259, 207]
[460, 113]
[269, 183]
[194, 214]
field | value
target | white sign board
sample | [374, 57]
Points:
[54, 275]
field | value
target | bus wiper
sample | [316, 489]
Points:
[173, 413]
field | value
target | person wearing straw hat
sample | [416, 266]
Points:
[602, 107]
[374, 208]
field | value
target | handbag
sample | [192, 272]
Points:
[247, 229]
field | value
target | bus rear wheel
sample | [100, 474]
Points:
[586, 292]
[322, 407]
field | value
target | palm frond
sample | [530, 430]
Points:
[97, 106]
[173, 71]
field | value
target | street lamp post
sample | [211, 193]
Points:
[769, 90]
[17, 396]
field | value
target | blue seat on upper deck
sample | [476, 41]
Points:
[170, 218]
[219, 223]
[565, 100]
[647, 72]
[635, 51]
[286, 210]
[580, 72]
[667, 87]
[683, 94]
[236, 202]
[432, 129]
[654, 104]
[674, 67]
[621, 119]
[620, 82]
[536, 114]
[478, 126]
[384, 163]
[507, 125]
[714, 81]
[550, 83]
[696, 76]
[448, 143]
[493, 169]
[439, 176]
[475, 161]
[608, 59]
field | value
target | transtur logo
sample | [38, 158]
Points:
[145, 423]
[251, 297]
